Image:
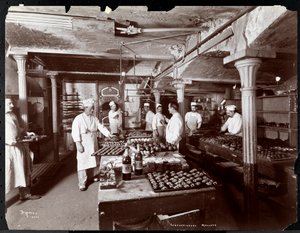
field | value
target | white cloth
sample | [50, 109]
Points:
[115, 121]
[149, 119]
[84, 130]
[233, 124]
[174, 129]
[192, 119]
[18, 158]
[158, 123]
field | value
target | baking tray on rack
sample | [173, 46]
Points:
[110, 148]
[181, 180]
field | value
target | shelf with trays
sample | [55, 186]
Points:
[70, 108]
[284, 129]
[278, 109]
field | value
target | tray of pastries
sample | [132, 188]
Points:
[180, 180]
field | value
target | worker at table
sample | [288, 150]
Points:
[159, 124]
[175, 125]
[115, 118]
[193, 119]
[149, 116]
[233, 125]
[84, 134]
[18, 157]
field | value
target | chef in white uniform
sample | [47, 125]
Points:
[175, 125]
[84, 134]
[18, 157]
[115, 118]
[159, 124]
[149, 116]
[233, 125]
[193, 119]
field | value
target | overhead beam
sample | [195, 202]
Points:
[79, 53]
[212, 35]
[202, 48]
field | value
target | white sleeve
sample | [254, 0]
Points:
[199, 118]
[120, 119]
[237, 125]
[76, 130]
[154, 122]
[186, 117]
[176, 131]
[102, 129]
[225, 126]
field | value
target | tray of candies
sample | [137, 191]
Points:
[111, 148]
[181, 180]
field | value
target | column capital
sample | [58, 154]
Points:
[178, 83]
[19, 56]
[52, 74]
[248, 68]
[250, 61]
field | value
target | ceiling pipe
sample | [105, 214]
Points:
[219, 30]
[157, 38]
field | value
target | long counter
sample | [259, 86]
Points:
[136, 199]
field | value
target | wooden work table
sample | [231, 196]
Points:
[136, 199]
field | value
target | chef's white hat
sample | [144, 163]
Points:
[230, 107]
[193, 103]
[146, 105]
[112, 103]
[88, 102]
[158, 105]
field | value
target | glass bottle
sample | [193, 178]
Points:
[126, 165]
[138, 162]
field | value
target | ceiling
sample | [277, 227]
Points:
[85, 43]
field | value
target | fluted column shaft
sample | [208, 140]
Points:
[23, 102]
[52, 77]
[248, 69]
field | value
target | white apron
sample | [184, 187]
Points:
[85, 160]
[18, 158]
[192, 122]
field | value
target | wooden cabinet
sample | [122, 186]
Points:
[277, 118]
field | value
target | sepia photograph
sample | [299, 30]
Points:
[129, 118]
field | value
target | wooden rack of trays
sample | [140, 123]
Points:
[277, 117]
[71, 107]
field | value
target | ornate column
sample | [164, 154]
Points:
[156, 94]
[21, 64]
[52, 76]
[247, 68]
[179, 85]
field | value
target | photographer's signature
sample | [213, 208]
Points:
[29, 214]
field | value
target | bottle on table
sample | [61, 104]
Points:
[138, 162]
[126, 165]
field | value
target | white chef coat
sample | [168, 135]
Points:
[158, 123]
[18, 157]
[149, 119]
[192, 120]
[233, 124]
[174, 129]
[115, 121]
[84, 130]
